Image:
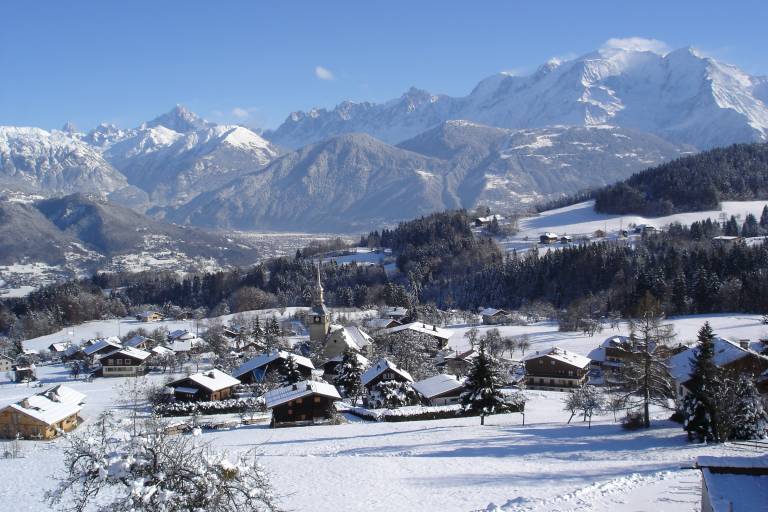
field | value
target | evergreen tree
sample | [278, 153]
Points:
[764, 219]
[701, 418]
[348, 378]
[289, 371]
[483, 388]
[392, 394]
[750, 420]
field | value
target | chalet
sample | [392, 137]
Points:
[101, 346]
[549, 238]
[6, 363]
[731, 484]
[304, 403]
[440, 335]
[59, 349]
[341, 339]
[204, 386]
[555, 369]
[394, 312]
[566, 239]
[24, 372]
[456, 363]
[484, 221]
[331, 366]
[645, 228]
[161, 350]
[383, 370]
[42, 416]
[149, 316]
[257, 369]
[139, 342]
[729, 355]
[377, 324]
[493, 316]
[124, 362]
[182, 340]
[442, 389]
[613, 354]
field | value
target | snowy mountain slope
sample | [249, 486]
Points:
[355, 182]
[343, 183]
[35, 160]
[681, 96]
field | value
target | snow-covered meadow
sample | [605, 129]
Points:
[451, 464]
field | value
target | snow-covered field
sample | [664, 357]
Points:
[580, 220]
[454, 464]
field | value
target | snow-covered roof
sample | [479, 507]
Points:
[102, 344]
[353, 337]
[423, 328]
[735, 483]
[162, 350]
[59, 347]
[726, 352]
[212, 380]
[181, 334]
[492, 312]
[129, 352]
[379, 323]
[561, 355]
[299, 390]
[52, 405]
[364, 362]
[549, 234]
[135, 341]
[597, 354]
[490, 218]
[265, 359]
[185, 345]
[380, 367]
[395, 311]
[438, 385]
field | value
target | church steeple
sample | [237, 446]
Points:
[320, 317]
[317, 296]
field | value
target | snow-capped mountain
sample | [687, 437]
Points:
[38, 161]
[681, 96]
[178, 155]
[354, 181]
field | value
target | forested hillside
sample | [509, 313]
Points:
[693, 183]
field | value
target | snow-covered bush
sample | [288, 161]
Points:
[392, 394]
[233, 405]
[106, 469]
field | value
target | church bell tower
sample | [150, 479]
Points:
[319, 316]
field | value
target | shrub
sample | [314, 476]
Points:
[632, 421]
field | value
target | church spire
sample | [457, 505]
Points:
[318, 298]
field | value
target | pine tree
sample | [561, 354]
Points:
[764, 218]
[289, 371]
[392, 394]
[750, 420]
[701, 418]
[483, 388]
[349, 375]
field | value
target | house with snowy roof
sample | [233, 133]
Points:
[125, 362]
[59, 349]
[257, 368]
[149, 316]
[456, 363]
[556, 369]
[728, 355]
[307, 402]
[204, 386]
[6, 363]
[341, 339]
[394, 312]
[548, 238]
[24, 371]
[493, 316]
[42, 416]
[730, 484]
[331, 366]
[614, 354]
[441, 389]
[102, 346]
[440, 335]
[384, 369]
[138, 341]
[483, 221]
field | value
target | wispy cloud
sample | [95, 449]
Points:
[324, 73]
[241, 113]
[639, 44]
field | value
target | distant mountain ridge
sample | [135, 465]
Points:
[682, 96]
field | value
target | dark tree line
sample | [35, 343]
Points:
[692, 183]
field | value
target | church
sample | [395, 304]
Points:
[319, 316]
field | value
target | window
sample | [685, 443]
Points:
[290, 412]
[299, 400]
[552, 363]
[317, 400]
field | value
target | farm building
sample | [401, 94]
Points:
[493, 316]
[304, 403]
[442, 389]
[124, 362]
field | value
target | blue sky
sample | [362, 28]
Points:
[255, 62]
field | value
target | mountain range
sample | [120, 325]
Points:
[573, 124]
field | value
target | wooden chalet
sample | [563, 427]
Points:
[24, 372]
[341, 339]
[614, 354]
[125, 362]
[204, 386]
[556, 369]
[377, 324]
[457, 363]
[42, 416]
[383, 370]
[549, 238]
[257, 369]
[440, 335]
[140, 342]
[99, 347]
[149, 316]
[493, 316]
[304, 403]
[442, 389]
[6, 363]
